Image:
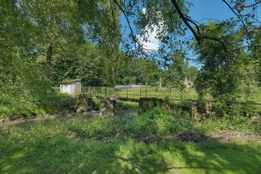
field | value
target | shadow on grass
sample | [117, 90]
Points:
[50, 147]
[63, 155]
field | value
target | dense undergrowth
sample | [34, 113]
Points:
[154, 122]
[24, 90]
[114, 145]
[20, 104]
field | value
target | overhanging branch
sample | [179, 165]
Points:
[184, 19]
[238, 16]
[195, 33]
[127, 19]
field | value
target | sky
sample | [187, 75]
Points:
[201, 11]
[209, 9]
[213, 9]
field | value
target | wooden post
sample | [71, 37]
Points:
[140, 91]
[146, 91]
[126, 92]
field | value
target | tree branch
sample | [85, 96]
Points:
[127, 19]
[196, 34]
[215, 39]
[184, 19]
[238, 16]
[193, 22]
[252, 5]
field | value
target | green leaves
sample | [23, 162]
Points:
[221, 72]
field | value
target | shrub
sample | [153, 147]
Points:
[61, 103]
[223, 108]
[248, 109]
[24, 90]
[158, 121]
[13, 102]
[96, 127]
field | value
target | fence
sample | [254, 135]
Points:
[128, 92]
[141, 92]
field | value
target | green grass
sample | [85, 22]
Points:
[228, 123]
[113, 145]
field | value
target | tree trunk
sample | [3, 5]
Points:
[48, 62]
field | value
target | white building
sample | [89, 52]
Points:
[71, 87]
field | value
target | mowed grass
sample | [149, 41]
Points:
[113, 145]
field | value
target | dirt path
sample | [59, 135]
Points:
[227, 136]
[23, 121]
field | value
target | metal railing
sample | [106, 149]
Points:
[141, 92]
[126, 92]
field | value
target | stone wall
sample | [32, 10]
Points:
[107, 106]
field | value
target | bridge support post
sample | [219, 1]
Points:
[107, 106]
[85, 104]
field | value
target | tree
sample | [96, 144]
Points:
[137, 70]
[177, 71]
[55, 22]
[221, 70]
[83, 62]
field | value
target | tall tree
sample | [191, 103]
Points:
[221, 70]
[55, 24]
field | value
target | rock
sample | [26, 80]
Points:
[85, 104]
[256, 119]
[2, 120]
[107, 106]
[195, 114]
[13, 117]
[200, 110]
[31, 117]
[46, 115]
[208, 108]
[38, 115]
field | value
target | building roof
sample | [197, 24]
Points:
[126, 86]
[70, 81]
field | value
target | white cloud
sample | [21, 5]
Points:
[149, 40]
[143, 11]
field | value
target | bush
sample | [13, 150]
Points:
[26, 91]
[13, 103]
[61, 103]
[153, 122]
[97, 127]
[248, 109]
[223, 108]
[159, 122]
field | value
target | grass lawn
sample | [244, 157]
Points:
[113, 145]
